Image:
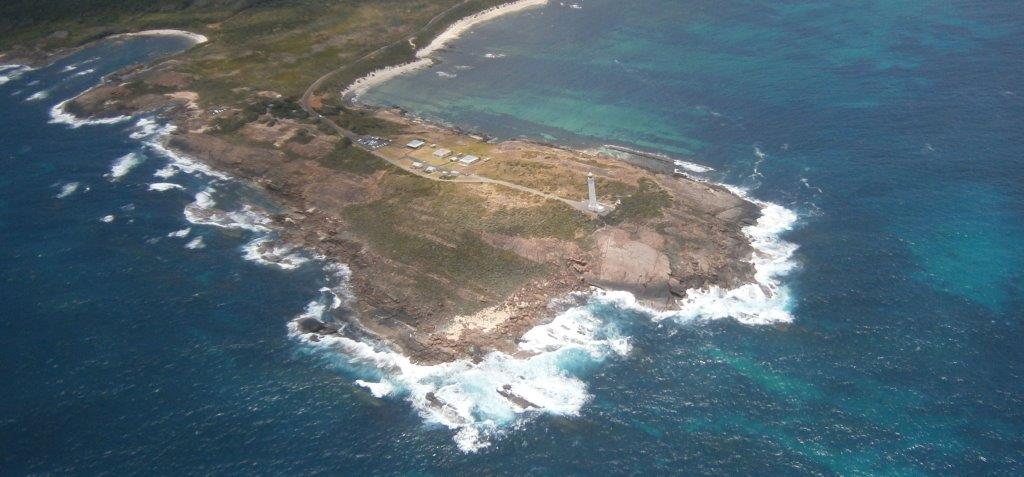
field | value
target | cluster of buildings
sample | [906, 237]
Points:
[442, 153]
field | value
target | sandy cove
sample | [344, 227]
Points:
[423, 55]
[433, 314]
[430, 313]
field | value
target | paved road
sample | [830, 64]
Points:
[470, 179]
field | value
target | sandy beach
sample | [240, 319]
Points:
[458, 28]
[195, 37]
[423, 55]
[382, 75]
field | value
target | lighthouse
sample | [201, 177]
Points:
[592, 202]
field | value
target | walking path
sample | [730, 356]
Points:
[466, 179]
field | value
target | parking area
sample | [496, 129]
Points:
[373, 142]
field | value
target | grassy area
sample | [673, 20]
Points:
[550, 219]
[348, 158]
[403, 52]
[551, 178]
[645, 202]
[436, 227]
[361, 121]
[29, 22]
[254, 44]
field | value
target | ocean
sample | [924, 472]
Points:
[142, 336]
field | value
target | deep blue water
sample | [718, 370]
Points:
[893, 130]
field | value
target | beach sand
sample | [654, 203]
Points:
[423, 55]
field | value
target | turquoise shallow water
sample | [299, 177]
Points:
[891, 128]
[893, 131]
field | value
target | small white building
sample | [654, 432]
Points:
[417, 164]
[430, 169]
[442, 153]
[468, 159]
[415, 144]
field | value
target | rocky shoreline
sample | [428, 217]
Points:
[694, 241]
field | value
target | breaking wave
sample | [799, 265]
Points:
[164, 186]
[67, 189]
[204, 212]
[58, 115]
[180, 233]
[480, 401]
[196, 243]
[765, 301]
[124, 165]
[12, 72]
[265, 251]
[38, 95]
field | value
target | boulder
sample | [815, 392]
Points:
[309, 325]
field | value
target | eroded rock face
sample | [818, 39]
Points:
[695, 242]
[634, 262]
[309, 325]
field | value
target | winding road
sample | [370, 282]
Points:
[352, 136]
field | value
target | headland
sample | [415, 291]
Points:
[457, 245]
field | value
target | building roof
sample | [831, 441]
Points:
[442, 152]
[415, 144]
[469, 159]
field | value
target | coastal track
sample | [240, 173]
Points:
[353, 137]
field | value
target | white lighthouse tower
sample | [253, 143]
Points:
[592, 202]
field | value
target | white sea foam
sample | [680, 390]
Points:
[807, 184]
[38, 95]
[468, 397]
[166, 172]
[68, 189]
[203, 212]
[164, 186]
[765, 301]
[107, 219]
[621, 152]
[692, 167]
[264, 251]
[204, 199]
[58, 115]
[761, 156]
[340, 294]
[447, 75]
[180, 233]
[479, 401]
[12, 72]
[494, 55]
[123, 165]
[180, 162]
[196, 243]
[154, 136]
[84, 72]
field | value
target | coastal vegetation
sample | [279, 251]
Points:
[646, 202]
[429, 232]
[348, 158]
